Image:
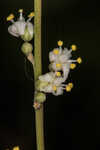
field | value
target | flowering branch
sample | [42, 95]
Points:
[55, 81]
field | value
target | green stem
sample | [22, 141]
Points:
[37, 72]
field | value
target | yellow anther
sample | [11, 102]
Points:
[58, 74]
[68, 88]
[72, 66]
[71, 85]
[54, 88]
[60, 43]
[31, 15]
[56, 51]
[74, 47]
[10, 17]
[20, 10]
[79, 60]
[58, 65]
[16, 148]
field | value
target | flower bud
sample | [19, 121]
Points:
[40, 85]
[40, 97]
[27, 48]
[27, 36]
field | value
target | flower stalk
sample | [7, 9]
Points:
[38, 72]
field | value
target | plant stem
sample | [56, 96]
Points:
[37, 72]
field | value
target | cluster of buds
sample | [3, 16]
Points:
[23, 29]
[60, 65]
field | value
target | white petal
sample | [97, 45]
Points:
[20, 26]
[58, 92]
[63, 59]
[65, 56]
[66, 69]
[58, 81]
[67, 52]
[52, 57]
[48, 89]
[53, 66]
[13, 30]
[48, 77]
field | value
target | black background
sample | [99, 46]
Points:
[71, 120]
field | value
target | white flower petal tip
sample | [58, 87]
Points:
[13, 31]
[21, 27]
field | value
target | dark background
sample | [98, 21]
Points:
[71, 120]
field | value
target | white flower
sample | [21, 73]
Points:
[21, 27]
[55, 54]
[53, 83]
[17, 28]
[58, 54]
[61, 63]
[59, 59]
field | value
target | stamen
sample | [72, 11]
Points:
[63, 85]
[79, 60]
[71, 85]
[74, 47]
[68, 88]
[32, 14]
[56, 51]
[58, 65]
[60, 43]
[54, 88]
[58, 74]
[10, 17]
[20, 10]
[16, 148]
[70, 61]
[72, 66]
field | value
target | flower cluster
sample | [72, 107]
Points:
[60, 65]
[60, 60]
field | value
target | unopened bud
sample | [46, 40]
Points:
[40, 97]
[27, 48]
[40, 85]
[27, 36]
